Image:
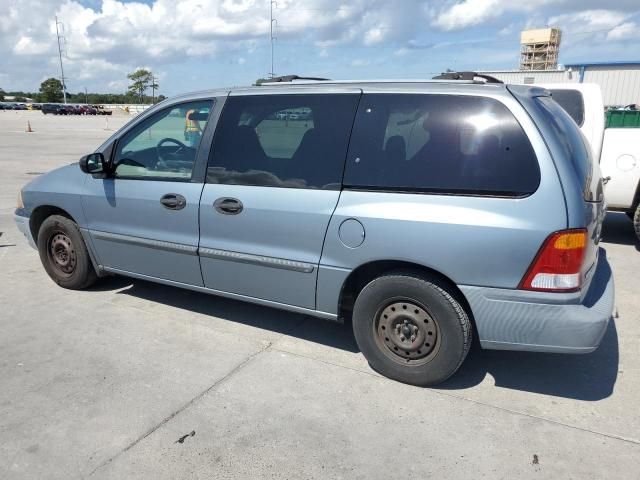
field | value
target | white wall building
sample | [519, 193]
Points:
[619, 81]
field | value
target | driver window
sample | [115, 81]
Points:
[164, 146]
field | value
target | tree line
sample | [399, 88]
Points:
[141, 81]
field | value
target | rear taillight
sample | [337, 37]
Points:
[558, 265]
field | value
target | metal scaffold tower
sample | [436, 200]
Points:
[539, 49]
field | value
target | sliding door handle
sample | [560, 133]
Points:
[228, 205]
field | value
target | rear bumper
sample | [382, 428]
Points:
[22, 222]
[544, 322]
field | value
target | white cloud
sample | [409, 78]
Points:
[624, 31]
[28, 46]
[595, 26]
[111, 38]
[509, 29]
[588, 19]
[374, 35]
[171, 31]
[117, 85]
[468, 13]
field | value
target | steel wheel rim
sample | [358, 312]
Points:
[62, 254]
[406, 332]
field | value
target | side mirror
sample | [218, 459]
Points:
[93, 163]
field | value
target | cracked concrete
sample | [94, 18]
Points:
[102, 383]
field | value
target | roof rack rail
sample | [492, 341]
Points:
[287, 78]
[466, 76]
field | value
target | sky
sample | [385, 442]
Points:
[199, 44]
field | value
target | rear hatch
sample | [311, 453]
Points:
[580, 176]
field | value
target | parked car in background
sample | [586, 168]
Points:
[75, 109]
[34, 106]
[20, 106]
[614, 141]
[65, 109]
[100, 110]
[419, 210]
[87, 110]
[53, 108]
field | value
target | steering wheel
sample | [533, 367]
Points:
[161, 160]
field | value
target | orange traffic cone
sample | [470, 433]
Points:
[29, 127]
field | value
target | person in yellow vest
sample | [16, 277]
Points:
[192, 130]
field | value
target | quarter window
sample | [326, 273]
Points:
[295, 141]
[164, 146]
[572, 142]
[572, 103]
[442, 144]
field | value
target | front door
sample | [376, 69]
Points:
[273, 181]
[143, 219]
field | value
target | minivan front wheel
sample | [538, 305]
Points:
[411, 329]
[63, 253]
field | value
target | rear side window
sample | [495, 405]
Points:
[294, 141]
[449, 144]
[572, 103]
[571, 140]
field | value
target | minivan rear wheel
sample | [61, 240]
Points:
[411, 328]
[63, 253]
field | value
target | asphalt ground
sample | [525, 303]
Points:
[136, 380]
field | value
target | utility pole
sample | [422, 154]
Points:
[153, 89]
[64, 86]
[271, 37]
[86, 97]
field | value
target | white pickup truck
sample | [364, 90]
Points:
[617, 149]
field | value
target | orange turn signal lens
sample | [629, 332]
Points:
[570, 241]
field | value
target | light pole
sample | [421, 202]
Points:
[271, 37]
[64, 87]
[86, 96]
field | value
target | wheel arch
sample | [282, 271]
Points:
[363, 274]
[40, 214]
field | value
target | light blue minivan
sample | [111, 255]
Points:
[421, 211]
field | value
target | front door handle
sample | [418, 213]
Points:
[173, 201]
[228, 205]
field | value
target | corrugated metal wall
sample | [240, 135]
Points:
[620, 84]
[534, 76]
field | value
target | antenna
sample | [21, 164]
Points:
[271, 37]
[64, 86]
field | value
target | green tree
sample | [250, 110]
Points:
[141, 80]
[1, 95]
[51, 90]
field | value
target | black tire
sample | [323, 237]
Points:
[64, 255]
[636, 221]
[437, 328]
